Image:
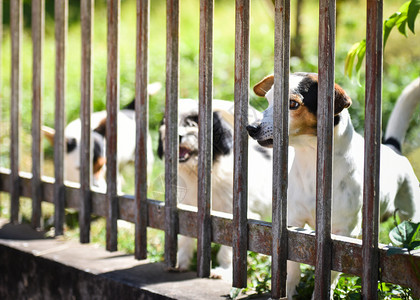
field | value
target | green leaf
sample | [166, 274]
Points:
[406, 15]
[401, 27]
[360, 56]
[357, 50]
[412, 13]
[404, 234]
[348, 64]
[389, 24]
[415, 245]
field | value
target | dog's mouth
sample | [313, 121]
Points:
[185, 153]
[266, 143]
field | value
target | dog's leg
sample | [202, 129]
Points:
[185, 252]
[293, 278]
[224, 258]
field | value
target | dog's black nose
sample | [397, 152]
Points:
[253, 130]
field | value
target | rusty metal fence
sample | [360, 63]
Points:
[323, 250]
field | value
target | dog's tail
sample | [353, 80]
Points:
[401, 115]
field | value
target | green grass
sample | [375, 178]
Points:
[401, 65]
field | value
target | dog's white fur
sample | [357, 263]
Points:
[399, 186]
[259, 174]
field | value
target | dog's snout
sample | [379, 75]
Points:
[253, 130]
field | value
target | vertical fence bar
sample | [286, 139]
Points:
[240, 168]
[112, 104]
[171, 131]
[205, 123]
[37, 88]
[373, 126]
[16, 87]
[61, 14]
[280, 148]
[325, 116]
[142, 124]
[86, 16]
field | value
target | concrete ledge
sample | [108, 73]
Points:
[33, 267]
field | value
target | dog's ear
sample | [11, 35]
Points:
[222, 136]
[49, 133]
[342, 100]
[101, 128]
[262, 87]
[160, 143]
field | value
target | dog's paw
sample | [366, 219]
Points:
[221, 273]
[176, 269]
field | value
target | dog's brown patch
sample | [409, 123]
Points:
[98, 164]
[342, 100]
[101, 128]
[262, 87]
[302, 120]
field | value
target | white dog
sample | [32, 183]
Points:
[260, 173]
[399, 186]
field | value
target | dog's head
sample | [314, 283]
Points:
[72, 152]
[188, 133]
[303, 103]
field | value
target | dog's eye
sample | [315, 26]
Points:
[294, 104]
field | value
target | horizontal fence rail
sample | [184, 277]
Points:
[320, 248]
[346, 253]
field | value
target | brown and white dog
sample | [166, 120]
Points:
[399, 186]
[260, 173]
[126, 136]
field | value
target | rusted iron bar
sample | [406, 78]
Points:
[325, 116]
[373, 96]
[346, 252]
[142, 124]
[86, 144]
[61, 14]
[280, 148]
[15, 88]
[37, 90]
[205, 124]
[240, 149]
[112, 105]
[171, 131]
